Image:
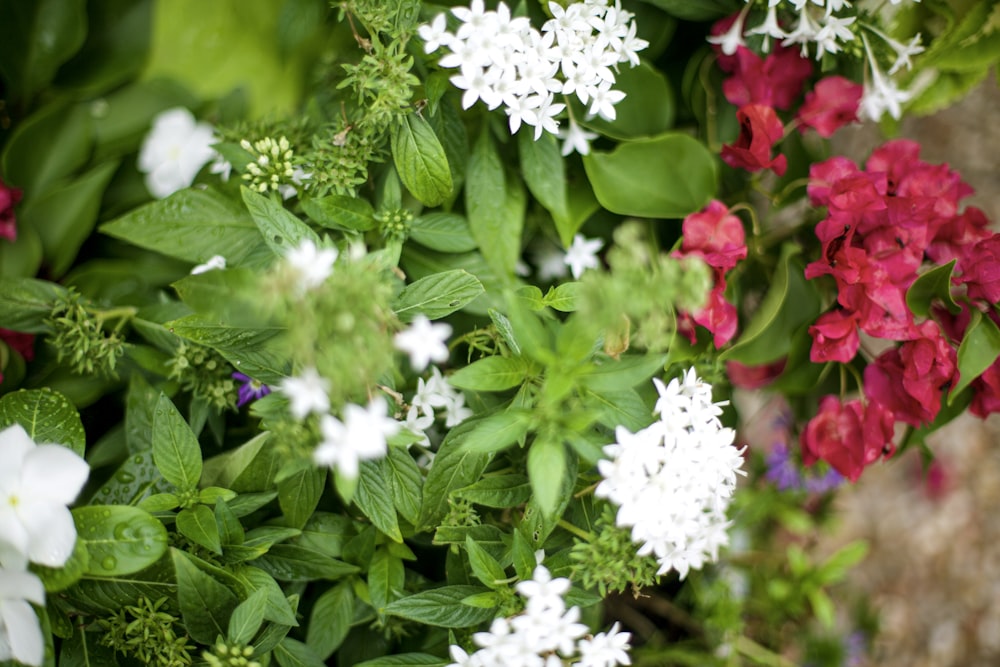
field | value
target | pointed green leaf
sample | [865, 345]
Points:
[444, 232]
[934, 284]
[406, 660]
[119, 539]
[25, 303]
[293, 653]
[546, 470]
[500, 491]
[175, 448]
[420, 160]
[544, 172]
[331, 619]
[406, 481]
[374, 498]
[247, 618]
[47, 416]
[281, 230]
[979, 349]
[484, 566]
[452, 468]
[198, 525]
[491, 374]
[351, 214]
[206, 604]
[623, 373]
[494, 205]
[442, 607]
[495, 432]
[386, 578]
[299, 494]
[437, 295]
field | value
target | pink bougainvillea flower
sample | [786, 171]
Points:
[956, 237]
[760, 129]
[715, 235]
[775, 81]
[849, 436]
[981, 270]
[754, 377]
[9, 197]
[986, 392]
[822, 176]
[832, 104]
[835, 337]
[718, 315]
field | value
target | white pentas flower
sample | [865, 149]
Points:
[504, 61]
[546, 634]
[307, 393]
[174, 151]
[582, 255]
[362, 435]
[37, 483]
[310, 265]
[20, 632]
[424, 341]
[673, 481]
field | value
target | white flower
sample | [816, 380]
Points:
[174, 151]
[20, 632]
[576, 139]
[222, 167]
[582, 255]
[542, 591]
[424, 342]
[731, 40]
[455, 411]
[306, 393]
[435, 34]
[37, 482]
[310, 265]
[605, 650]
[361, 436]
[833, 32]
[214, 262]
[432, 393]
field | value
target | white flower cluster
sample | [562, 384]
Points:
[503, 60]
[37, 483]
[432, 394]
[673, 480]
[545, 635]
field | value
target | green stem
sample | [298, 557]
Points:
[760, 654]
[579, 532]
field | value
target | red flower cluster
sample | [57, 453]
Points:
[717, 237]
[9, 197]
[832, 104]
[760, 129]
[883, 224]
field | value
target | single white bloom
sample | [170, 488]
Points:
[582, 255]
[214, 262]
[605, 650]
[732, 39]
[603, 101]
[37, 482]
[306, 393]
[576, 139]
[174, 151]
[433, 393]
[424, 342]
[222, 167]
[20, 632]
[903, 53]
[311, 265]
[542, 591]
[833, 32]
[455, 411]
[435, 34]
[769, 28]
[362, 435]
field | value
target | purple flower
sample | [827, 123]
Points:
[782, 470]
[250, 390]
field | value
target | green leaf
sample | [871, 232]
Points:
[25, 303]
[277, 610]
[442, 607]
[293, 653]
[405, 659]
[247, 618]
[192, 225]
[198, 525]
[231, 531]
[495, 432]
[484, 566]
[299, 494]
[107, 595]
[119, 539]
[175, 448]
[979, 349]
[60, 578]
[386, 578]
[23, 257]
[703, 10]
[444, 232]
[351, 214]
[494, 205]
[406, 482]
[374, 499]
[546, 470]
[500, 491]
[620, 408]
[437, 295]
[420, 160]
[48, 146]
[46, 415]
[624, 373]
[647, 110]
[281, 230]
[251, 349]
[563, 297]
[35, 39]
[668, 176]
[230, 294]
[544, 172]
[492, 374]
[523, 554]
[452, 468]
[330, 620]
[289, 562]
[206, 603]
[934, 284]
[790, 302]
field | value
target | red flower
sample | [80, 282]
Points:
[986, 392]
[718, 315]
[823, 175]
[848, 436]
[715, 235]
[831, 105]
[981, 270]
[775, 81]
[754, 377]
[22, 343]
[8, 198]
[760, 128]
[835, 337]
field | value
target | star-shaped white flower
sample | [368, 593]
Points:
[20, 632]
[424, 341]
[576, 139]
[214, 262]
[37, 482]
[306, 393]
[174, 151]
[311, 265]
[362, 435]
[582, 255]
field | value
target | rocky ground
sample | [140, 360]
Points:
[934, 567]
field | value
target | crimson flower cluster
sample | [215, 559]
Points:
[9, 197]
[883, 224]
[715, 236]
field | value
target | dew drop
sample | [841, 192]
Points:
[121, 531]
[137, 459]
[106, 490]
[109, 562]
[106, 514]
[125, 477]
